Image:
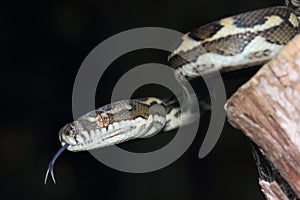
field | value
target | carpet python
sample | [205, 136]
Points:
[232, 43]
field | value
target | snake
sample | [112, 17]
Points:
[229, 44]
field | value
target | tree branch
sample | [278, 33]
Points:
[267, 110]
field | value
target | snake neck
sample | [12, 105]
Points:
[180, 115]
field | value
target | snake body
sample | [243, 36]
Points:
[232, 43]
[235, 42]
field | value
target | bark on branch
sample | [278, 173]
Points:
[267, 110]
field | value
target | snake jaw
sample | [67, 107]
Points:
[68, 140]
[51, 164]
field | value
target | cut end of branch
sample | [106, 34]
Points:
[267, 110]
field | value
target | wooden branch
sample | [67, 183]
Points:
[272, 190]
[267, 110]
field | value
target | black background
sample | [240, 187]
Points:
[43, 45]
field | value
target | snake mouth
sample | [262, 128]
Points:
[101, 138]
[68, 140]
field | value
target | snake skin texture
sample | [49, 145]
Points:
[236, 42]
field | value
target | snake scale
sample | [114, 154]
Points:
[229, 44]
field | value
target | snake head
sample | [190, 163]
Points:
[79, 133]
[111, 124]
[114, 123]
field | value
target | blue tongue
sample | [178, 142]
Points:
[52, 161]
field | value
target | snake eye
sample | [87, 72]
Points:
[102, 119]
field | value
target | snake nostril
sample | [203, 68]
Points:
[70, 130]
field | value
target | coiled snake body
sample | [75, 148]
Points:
[225, 45]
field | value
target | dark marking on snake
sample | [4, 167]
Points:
[199, 69]
[227, 46]
[230, 45]
[185, 57]
[177, 114]
[259, 17]
[139, 110]
[281, 34]
[259, 54]
[205, 31]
